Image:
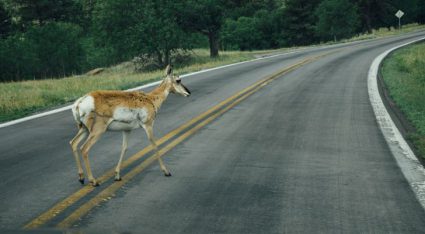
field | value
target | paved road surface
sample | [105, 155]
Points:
[302, 154]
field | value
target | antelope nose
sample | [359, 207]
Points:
[187, 91]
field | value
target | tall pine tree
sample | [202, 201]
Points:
[299, 20]
[5, 21]
[337, 19]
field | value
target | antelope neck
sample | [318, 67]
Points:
[160, 94]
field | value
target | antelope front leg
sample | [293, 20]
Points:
[82, 133]
[123, 150]
[149, 132]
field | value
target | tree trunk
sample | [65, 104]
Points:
[167, 58]
[368, 24]
[159, 59]
[213, 40]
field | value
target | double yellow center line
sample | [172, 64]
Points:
[195, 124]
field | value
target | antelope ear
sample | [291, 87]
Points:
[168, 70]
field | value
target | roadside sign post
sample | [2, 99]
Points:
[399, 14]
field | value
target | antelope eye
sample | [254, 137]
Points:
[178, 81]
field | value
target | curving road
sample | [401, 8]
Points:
[301, 153]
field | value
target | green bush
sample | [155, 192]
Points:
[59, 49]
[337, 19]
[261, 31]
[18, 58]
[51, 50]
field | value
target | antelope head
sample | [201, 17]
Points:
[176, 82]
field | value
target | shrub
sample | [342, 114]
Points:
[51, 50]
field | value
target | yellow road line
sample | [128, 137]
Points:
[61, 206]
[67, 202]
[107, 193]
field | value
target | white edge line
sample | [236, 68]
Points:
[410, 166]
[35, 116]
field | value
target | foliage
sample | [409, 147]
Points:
[129, 28]
[18, 58]
[206, 17]
[299, 20]
[22, 98]
[5, 21]
[247, 33]
[80, 35]
[50, 50]
[337, 19]
[420, 17]
[242, 32]
[41, 11]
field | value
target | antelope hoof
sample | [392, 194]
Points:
[81, 178]
[94, 183]
[117, 176]
[167, 174]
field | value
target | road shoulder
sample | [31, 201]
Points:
[409, 164]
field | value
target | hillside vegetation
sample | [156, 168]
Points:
[19, 99]
[42, 39]
[22, 98]
[45, 46]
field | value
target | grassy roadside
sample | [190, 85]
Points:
[404, 75]
[384, 32]
[20, 99]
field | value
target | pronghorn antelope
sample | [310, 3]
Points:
[101, 111]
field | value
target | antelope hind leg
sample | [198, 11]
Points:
[97, 129]
[82, 133]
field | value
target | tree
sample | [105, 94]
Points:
[5, 21]
[299, 20]
[242, 33]
[336, 19]
[375, 14]
[51, 50]
[86, 8]
[248, 8]
[58, 48]
[41, 11]
[411, 9]
[248, 33]
[420, 18]
[131, 28]
[268, 24]
[206, 17]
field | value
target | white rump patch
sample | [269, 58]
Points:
[82, 107]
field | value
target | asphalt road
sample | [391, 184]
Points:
[302, 154]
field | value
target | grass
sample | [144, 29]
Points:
[404, 75]
[23, 98]
[385, 32]
[19, 99]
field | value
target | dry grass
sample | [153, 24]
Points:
[19, 99]
[384, 32]
[22, 98]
